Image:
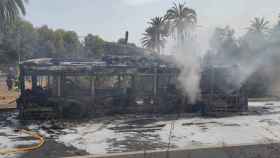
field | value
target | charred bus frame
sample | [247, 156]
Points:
[75, 88]
[108, 84]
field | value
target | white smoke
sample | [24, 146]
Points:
[255, 59]
[188, 58]
[242, 62]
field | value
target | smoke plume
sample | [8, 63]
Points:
[187, 58]
[250, 58]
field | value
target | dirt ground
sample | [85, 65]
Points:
[7, 98]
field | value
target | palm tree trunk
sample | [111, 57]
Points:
[158, 43]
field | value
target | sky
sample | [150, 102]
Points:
[111, 18]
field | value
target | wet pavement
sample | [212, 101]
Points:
[10, 138]
[140, 132]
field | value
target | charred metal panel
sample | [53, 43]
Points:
[123, 85]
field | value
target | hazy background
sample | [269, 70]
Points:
[111, 18]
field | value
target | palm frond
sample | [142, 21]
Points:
[181, 19]
[10, 9]
[259, 25]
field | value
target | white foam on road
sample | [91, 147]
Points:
[90, 137]
[10, 139]
[224, 131]
[5, 142]
[96, 138]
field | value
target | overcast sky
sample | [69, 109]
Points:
[111, 18]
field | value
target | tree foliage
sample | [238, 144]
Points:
[182, 20]
[149, 40]
[10, 10]
[179, 21]
[19, 39]
[155, 34]
[259, 25]
[93, 45]
[22, 40]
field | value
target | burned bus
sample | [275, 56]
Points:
[59, 88]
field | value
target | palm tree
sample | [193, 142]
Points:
[181, 19]
[10, 9]
[149, 39]
[259, 25]
[154, 36]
